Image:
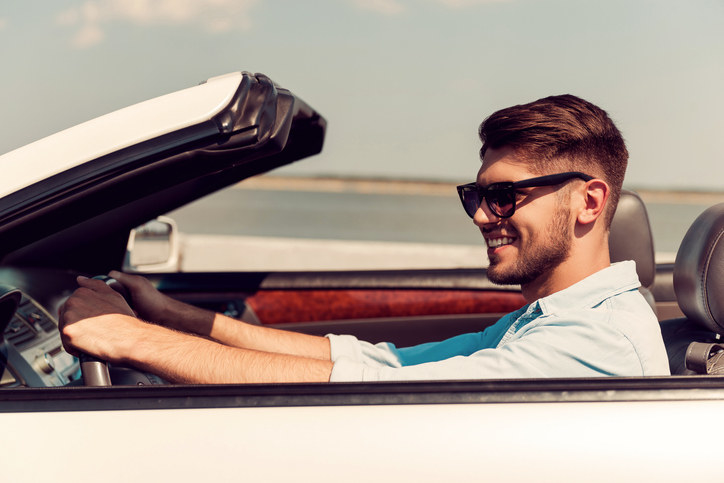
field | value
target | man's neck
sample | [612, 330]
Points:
[568, 273]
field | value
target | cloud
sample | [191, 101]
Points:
[394, 7]
[92, 17]
[466, 3]
[385, 7]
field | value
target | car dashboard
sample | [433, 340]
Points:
[31, 346]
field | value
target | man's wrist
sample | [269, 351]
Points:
[186, 318]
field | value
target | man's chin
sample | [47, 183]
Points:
[500, 276]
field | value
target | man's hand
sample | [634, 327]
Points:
[149, 303]
[92, 298]
[153, 306]
[94, 318]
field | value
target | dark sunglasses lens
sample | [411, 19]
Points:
[471, 201]
[501, 201]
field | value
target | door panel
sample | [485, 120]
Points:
[287, 306]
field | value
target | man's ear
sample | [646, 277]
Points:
[595, 195]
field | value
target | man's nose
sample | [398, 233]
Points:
[484, 215]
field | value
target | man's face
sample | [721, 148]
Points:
[537, 238]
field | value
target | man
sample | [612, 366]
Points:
[544, 198]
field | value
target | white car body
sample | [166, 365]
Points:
[583, 441]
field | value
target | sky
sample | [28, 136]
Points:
[403, 84]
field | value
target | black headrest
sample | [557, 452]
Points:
[699, 270]
[631, 238]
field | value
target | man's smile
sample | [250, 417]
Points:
[496, 237]
[495, 242]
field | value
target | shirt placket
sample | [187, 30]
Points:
[529, 315]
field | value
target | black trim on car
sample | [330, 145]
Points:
[458, 278]
[683, 388]
[59, 186]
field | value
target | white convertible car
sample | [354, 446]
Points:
[67, 205]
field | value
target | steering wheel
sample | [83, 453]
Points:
[99, 373]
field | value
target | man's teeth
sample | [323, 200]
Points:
[497, 242]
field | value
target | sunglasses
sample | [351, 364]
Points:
[500, 197]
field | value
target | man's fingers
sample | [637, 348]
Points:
[133, 283]
[93, 284]
[99, 288]
[117, 275]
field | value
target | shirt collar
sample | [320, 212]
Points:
[594, 289]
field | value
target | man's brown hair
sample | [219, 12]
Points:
[561, 133]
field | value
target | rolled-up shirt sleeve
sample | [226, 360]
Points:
[356, 360]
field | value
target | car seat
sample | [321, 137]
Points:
[699, 288]
[631, 239]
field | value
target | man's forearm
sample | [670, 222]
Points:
[236, 333]
[184, 358]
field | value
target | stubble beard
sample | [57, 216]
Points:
[542, 255]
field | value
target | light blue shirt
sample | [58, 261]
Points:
[601, 326]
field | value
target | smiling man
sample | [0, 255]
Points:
[544, 199]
